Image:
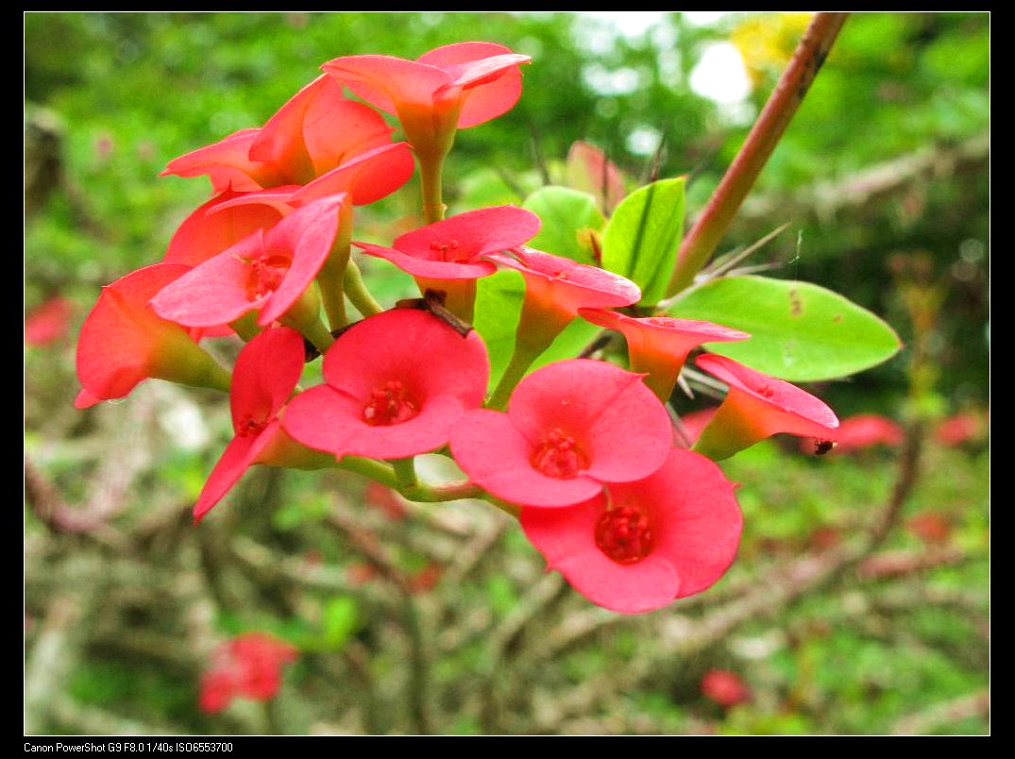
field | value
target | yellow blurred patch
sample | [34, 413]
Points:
[766, 42]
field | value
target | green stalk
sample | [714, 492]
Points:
[358, 293]
[332, 275]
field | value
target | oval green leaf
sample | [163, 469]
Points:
[569, 219]
[800, 332]
[643, 235]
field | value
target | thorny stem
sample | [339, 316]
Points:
[715, 220]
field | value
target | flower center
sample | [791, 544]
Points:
[559, 456]
[389, 404]
[249, 427]
[265, 275]
[445, 250]
[623, 534]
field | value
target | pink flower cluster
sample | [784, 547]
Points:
[584, 451]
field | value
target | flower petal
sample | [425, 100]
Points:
[368, 177]
[498, 457]
[488, 74]
[216, 225]
[266, 372]
[215, 292]
[305, 236]
[566, 537]
[385, 81]
[235, 460]
[227, 162]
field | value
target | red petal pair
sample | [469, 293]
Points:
[567, 430]
[266, 271]
[396, 383]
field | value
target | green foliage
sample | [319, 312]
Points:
[799, 331]
[570, 218]
[643, 235]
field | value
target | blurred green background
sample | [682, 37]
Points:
[439, 619]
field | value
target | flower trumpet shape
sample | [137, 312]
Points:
[659, 345]
[449, 88]
[556, 288]
[396, 383]
[124, 341]
[266, 271]
[756, 407]
[639, 545]
[569, 428]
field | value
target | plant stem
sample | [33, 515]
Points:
[520, 361]
[357, 291]
[400, 475]
[715, 220]
[431, 168]
[332, 275]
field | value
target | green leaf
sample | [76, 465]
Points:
[498, 303]
[643, 235]
[800, 332]
[569, 219]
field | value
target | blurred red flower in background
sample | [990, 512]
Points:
[248, 666]
[724, 687]
[49, 321]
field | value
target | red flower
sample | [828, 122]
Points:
[569, 427]
[447, 255]
[453, 248]
[452, 87]
[315, 131]
[123, 341]
[215, 226]
[861, 431]
[556, 287]
[265, 375]
[218, 688]
[756, 407]
[960, 428]
[49, 321]
[396, 383]
[659, 345]
[639, 545]
[724, 687]
[266, 271]
[250, 666]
